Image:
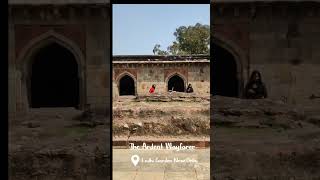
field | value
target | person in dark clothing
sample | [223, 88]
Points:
[255, 88]
[189, 89]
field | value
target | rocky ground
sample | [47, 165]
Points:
[250, 139]
[264, 139]
[160, 117]
[56, 143]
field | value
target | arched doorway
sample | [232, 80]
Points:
[224, 79]
[54, 80]
[126, 86]
[176, 83]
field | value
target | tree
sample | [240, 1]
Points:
[158, 51]
[190, 40]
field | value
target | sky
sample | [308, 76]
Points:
[136, 28]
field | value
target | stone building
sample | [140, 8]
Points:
[62, 49]
[134, 75]
[59, 54]
[281, 39]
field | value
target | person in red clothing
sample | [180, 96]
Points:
[152, 89]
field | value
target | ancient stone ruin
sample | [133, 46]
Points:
[134, 75]
[59, 54]
[278, 38]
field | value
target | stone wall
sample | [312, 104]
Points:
[146, 73]
[83, 29]
[281, 40]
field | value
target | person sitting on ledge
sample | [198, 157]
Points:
[255, 88]
[189, 89]
[171, 90]
[152, 89]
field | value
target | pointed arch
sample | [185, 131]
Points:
[26, 58]
[134, 81]
[33, 46]
[176, 74]
[240, 57]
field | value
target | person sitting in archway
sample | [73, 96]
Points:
[152, 89]
[255, 88]
[171, 90]
[189, 89]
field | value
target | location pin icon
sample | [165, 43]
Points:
[135, 159]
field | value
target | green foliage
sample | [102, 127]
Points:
[190, 40]
[158, 51]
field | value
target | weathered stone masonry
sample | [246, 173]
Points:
[280, 39]
[148, 70]
[82, 27]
